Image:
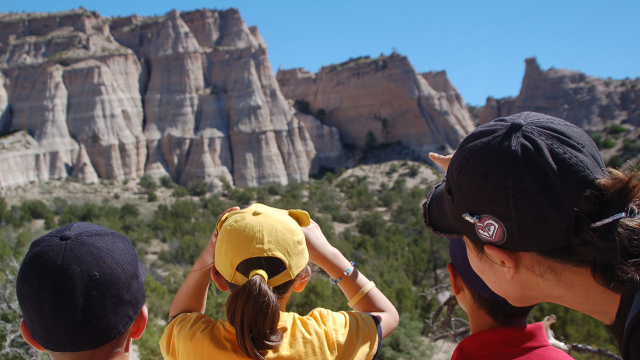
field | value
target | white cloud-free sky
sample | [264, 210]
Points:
[481, 44]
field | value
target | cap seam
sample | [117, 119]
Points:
[469, 156]
[510, 205]
[581, 186]
[64, 302]
[109, 254]
[123, 268]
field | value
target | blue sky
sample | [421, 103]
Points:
[481, 44]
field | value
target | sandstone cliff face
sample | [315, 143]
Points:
[387, 97]
[81, 85]
[586, 101]
[212, 105]
[38, 108]
[329, 150]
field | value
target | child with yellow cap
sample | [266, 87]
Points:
[261, 255]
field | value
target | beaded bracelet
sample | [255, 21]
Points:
[346, 273]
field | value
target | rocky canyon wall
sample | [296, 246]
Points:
[586, 101]
[385, 96]
[191, 95]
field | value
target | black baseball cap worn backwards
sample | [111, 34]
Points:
[80, 287]
[514, 183]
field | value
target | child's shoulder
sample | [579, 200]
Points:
[338, 323]
[196, 321]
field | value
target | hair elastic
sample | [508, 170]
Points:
[364, 291]
[632, 212]
[346, 273]
[261, 273]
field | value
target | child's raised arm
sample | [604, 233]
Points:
[323, 254]
[192, 295]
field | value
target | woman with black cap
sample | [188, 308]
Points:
[544, 220]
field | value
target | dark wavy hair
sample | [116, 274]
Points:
[253, 309]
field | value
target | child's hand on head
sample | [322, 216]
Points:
[317, 244]
[211, 246]
[441, 160]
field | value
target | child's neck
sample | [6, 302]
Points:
[480, 321]
[283, 302]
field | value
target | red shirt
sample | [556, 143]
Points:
[507, 343]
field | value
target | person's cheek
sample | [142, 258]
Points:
[486, 270]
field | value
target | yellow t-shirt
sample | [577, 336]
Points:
[323, 334]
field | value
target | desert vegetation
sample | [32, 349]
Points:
[379, 227]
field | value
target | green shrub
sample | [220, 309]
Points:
[274, 188]
[356, 190]
[151, 196]
[58, 205]
[3, 209]
[615, 161]
[631, 145]
[242, 195]
[338, 214]
[414, 169]
[387, 199]
[371, 224]
[36, 209]
[215, 205]
[406, 343]
[167, 182]
[608, 143]
[597, 138]
[129, 211]
[198, 188]
[180, 191]
[147, 183]
[617, 129]
[393, 168]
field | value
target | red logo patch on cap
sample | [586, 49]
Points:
[490, 230]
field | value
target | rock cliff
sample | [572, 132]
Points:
[586, 101]
[191, 95]
[385, 96]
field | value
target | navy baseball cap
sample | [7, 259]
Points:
[80, 287]
[514, 183]
[460, 261]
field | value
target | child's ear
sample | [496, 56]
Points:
[218, 279]
[503, 258]
[26, 335]
[140, 323]
[302, 283]
[456, 281]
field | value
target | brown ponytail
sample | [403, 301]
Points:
[253, 309]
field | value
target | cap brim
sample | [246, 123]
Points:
[437, 213]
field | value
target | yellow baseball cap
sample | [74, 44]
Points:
[262, 231]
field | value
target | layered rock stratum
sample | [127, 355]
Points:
[586, 101]
[191, 95]
[384, 96]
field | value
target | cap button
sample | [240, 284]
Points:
[66, 236]
[257, 212]
[517, 125]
